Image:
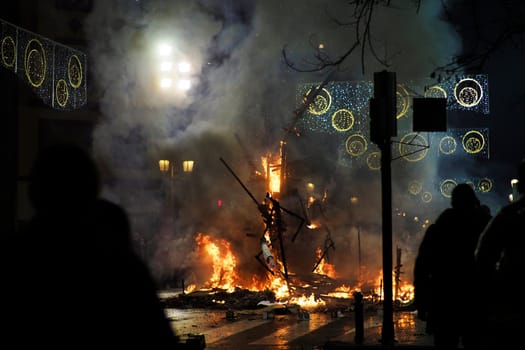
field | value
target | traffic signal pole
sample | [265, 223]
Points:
[383, 125]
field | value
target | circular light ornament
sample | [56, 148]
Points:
[61, 93]
[356, 145]
[426, 197]
[374, 161]
[485, 185]
[435, 91]
[415, 187]
[35, 62]
[74, 71]
[447, 186]
[413, 147]
[343, 120]
[8, 51]
[448, 145]
[468, 92]
[473, 141]
[321, 103]
[402, 101]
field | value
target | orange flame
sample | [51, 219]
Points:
[223, 262]
[324, 268]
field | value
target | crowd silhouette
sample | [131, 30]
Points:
[466, 268]
[444, 279]
[71, 277]
[500, 264]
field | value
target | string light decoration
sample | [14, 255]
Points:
[340, 108]
[479, 184]
[457, 142]
[56, 73]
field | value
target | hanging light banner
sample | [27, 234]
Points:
[56, 73]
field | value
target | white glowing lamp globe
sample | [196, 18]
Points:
[165, 83]
[184, 84]
[184, 67]
[166, 66]
[165, 49]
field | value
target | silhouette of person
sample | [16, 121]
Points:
[444, 278]
[500, 262]
[71, 277]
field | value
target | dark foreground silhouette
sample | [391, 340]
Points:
[444, 274]
[500, 261]
[71, 278]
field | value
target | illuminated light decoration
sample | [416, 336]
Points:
[343, 120]
[35, 62]
[356, 145]
[426, 197]
[350, 95]
[54, 72]
[61, 93]
[413, 147]
[321, 103]
[447, 145]
[74, 71]
[462, 142]
[415, 187]
[473, 141]
[468, 92]
[485, 185]
[435, 91]
[373, 160]
[447, 186]
[402, 101]
[8, 51]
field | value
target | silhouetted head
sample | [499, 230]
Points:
[63, 176]
[463, 196]
[521, 176]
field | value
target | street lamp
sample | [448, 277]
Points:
[187, 166]
[164, 165]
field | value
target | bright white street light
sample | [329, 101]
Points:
[165, 83]
[166, 66]
[184, 67]
[184, 84]
[165, 50]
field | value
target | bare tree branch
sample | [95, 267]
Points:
[362, 12]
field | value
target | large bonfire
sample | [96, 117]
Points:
[278, 282]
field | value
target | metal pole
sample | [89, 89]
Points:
[387, 336]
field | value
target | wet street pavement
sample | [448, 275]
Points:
[252, 330]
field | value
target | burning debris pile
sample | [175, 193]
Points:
[277, 283]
